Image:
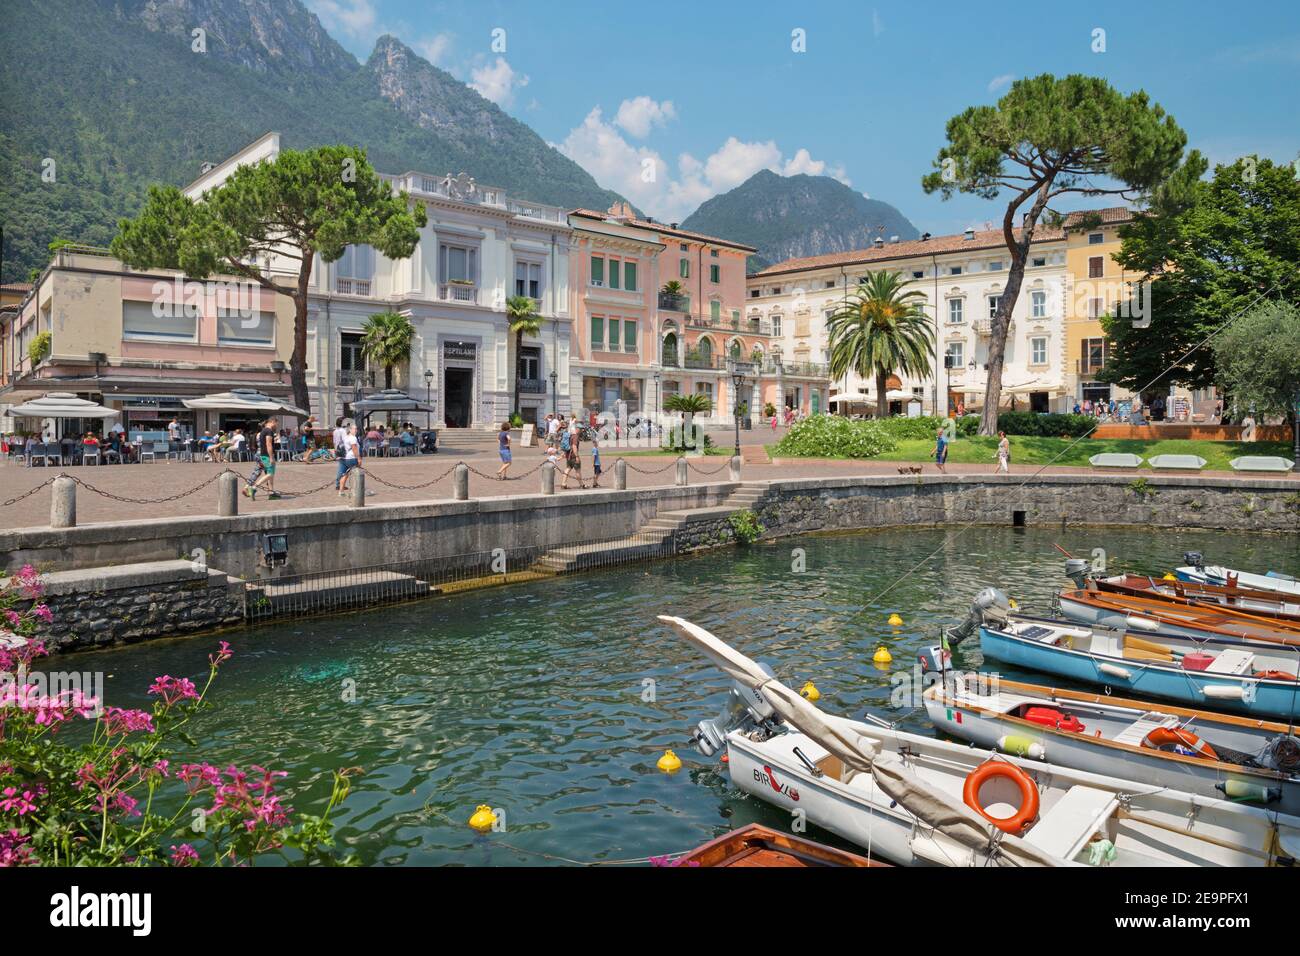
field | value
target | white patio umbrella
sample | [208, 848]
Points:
[63, 405]
[1024, 388]
[851, 398]
[389, 400]
[242, 400]
[837, 736]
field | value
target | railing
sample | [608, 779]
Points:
[351, 377]
[798, 369]
[741, 326]
[674, 303]
[1087, 367]
[985, 326]
[351, 286]
[533, 386]
[457, 292]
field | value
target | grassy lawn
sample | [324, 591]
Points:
[1030, 450]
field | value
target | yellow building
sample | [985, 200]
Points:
[1095, 284]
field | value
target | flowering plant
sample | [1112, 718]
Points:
[96, 802]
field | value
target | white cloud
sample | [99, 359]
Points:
[638, 116]
[1001, 82]
[434, 48]
[356, 18]
[599, 147]
[497, 81]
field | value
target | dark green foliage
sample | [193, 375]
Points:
[1045, 426]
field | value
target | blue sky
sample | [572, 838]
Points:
[706, 93]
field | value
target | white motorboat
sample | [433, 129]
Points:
[919, 800]
[1197, 751]
[1201, 573]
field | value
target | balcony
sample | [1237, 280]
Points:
[674, 303]
[797, 369]
[1088, 366]
[351, 286]
[984, 327]
[532, 386]
[466, 292]
[352, 377]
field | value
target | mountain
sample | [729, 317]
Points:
[787, 217]
[103, 97]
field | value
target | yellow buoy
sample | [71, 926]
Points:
[882, 655]
[1169, 577]
[669, 762]
[1012, 603]
[809, 690]
[483, 819]
[895, 620]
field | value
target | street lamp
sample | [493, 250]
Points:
[737, 379]
[428, 398]
[555, 392]
[658, 404]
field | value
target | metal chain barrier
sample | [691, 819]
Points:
[28, 494]
[702, 471]
[311, 491]
[648, 471]
[152, 501]
[372, 476]
[493, 477]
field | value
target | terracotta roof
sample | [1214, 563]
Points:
[1112, 215]
[663, 228]
[17, 287]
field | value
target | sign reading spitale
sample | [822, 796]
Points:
[460, 351]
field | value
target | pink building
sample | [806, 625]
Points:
[658, 311]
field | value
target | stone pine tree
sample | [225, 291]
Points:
[1050, 137]
[268, 222]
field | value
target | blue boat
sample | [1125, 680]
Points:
[1239, 676]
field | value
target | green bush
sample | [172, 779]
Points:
[830, 436]
[1045, 426]
[746, 526]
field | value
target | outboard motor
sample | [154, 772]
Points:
[1078, 570]
[1282, 753]
[745, 707]
[989, 605]
[1195, 559]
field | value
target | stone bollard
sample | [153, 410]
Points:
[733, 468]
[620, 475]
[228, 495]
[357, 488]
[63, 503]
[548, 478]
[460, 482]
[683, 471]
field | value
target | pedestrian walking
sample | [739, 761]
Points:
[940, 452]
[351, 457]
[265, 457]
[1004, 453]
[595, 462]
[503, 449]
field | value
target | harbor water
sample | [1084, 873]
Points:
[552, 700]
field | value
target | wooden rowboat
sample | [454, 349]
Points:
[1262, 603]
[760, 847]
[1156, 615]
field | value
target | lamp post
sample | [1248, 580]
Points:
[658, 404]
[971, 367]
[947, 385]
[555, 392]
[737, 380]
[428, 398]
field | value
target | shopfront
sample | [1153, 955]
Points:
[459, 365]
[146, 417]
[603, 391]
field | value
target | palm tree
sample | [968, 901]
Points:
[878, 330]
[386, 341]
[691, 403]
[524, 320]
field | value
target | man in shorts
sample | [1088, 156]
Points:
[266, 458]
[351, 456]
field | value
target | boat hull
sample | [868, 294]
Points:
[1255, 697]
[1093, 615]
[1256, 582]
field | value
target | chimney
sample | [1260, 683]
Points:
[893, 239]
[206, 168]
[925, 237]
[878, 242]
[969, 235]
[672, 225]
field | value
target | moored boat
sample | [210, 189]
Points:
[1199, 572]
[920, 800]
[1198, 751]
[1158, 616]
[756, 846]
[1262, 603]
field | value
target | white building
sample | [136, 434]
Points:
[478, 248]
[963, 275]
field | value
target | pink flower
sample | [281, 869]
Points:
[14, 850]
[224, 654]
[11, 801]
[119, 721]
[43, 612]
[13, 618]
[184, 855]
[197, 776]
[173, 689]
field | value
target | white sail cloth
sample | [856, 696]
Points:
[933, 807]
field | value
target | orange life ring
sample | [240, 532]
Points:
[1022, 818]
[1275, 675]
[1163, 736]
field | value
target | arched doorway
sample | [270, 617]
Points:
[669, 351]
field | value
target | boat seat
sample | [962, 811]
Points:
[1137, 731]
[1066, 829]
[1232, 661]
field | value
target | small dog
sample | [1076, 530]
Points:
[909, 470]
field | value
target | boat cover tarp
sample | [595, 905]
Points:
[930, 805]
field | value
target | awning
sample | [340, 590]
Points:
[1025, 388]
[242, 400]
[389, 400]
[63, 405]
[852, 398]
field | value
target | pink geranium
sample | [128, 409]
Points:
[173, 689]
[184, 855]
[120, 721]
[12, 801]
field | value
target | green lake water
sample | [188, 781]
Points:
[529, 697]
